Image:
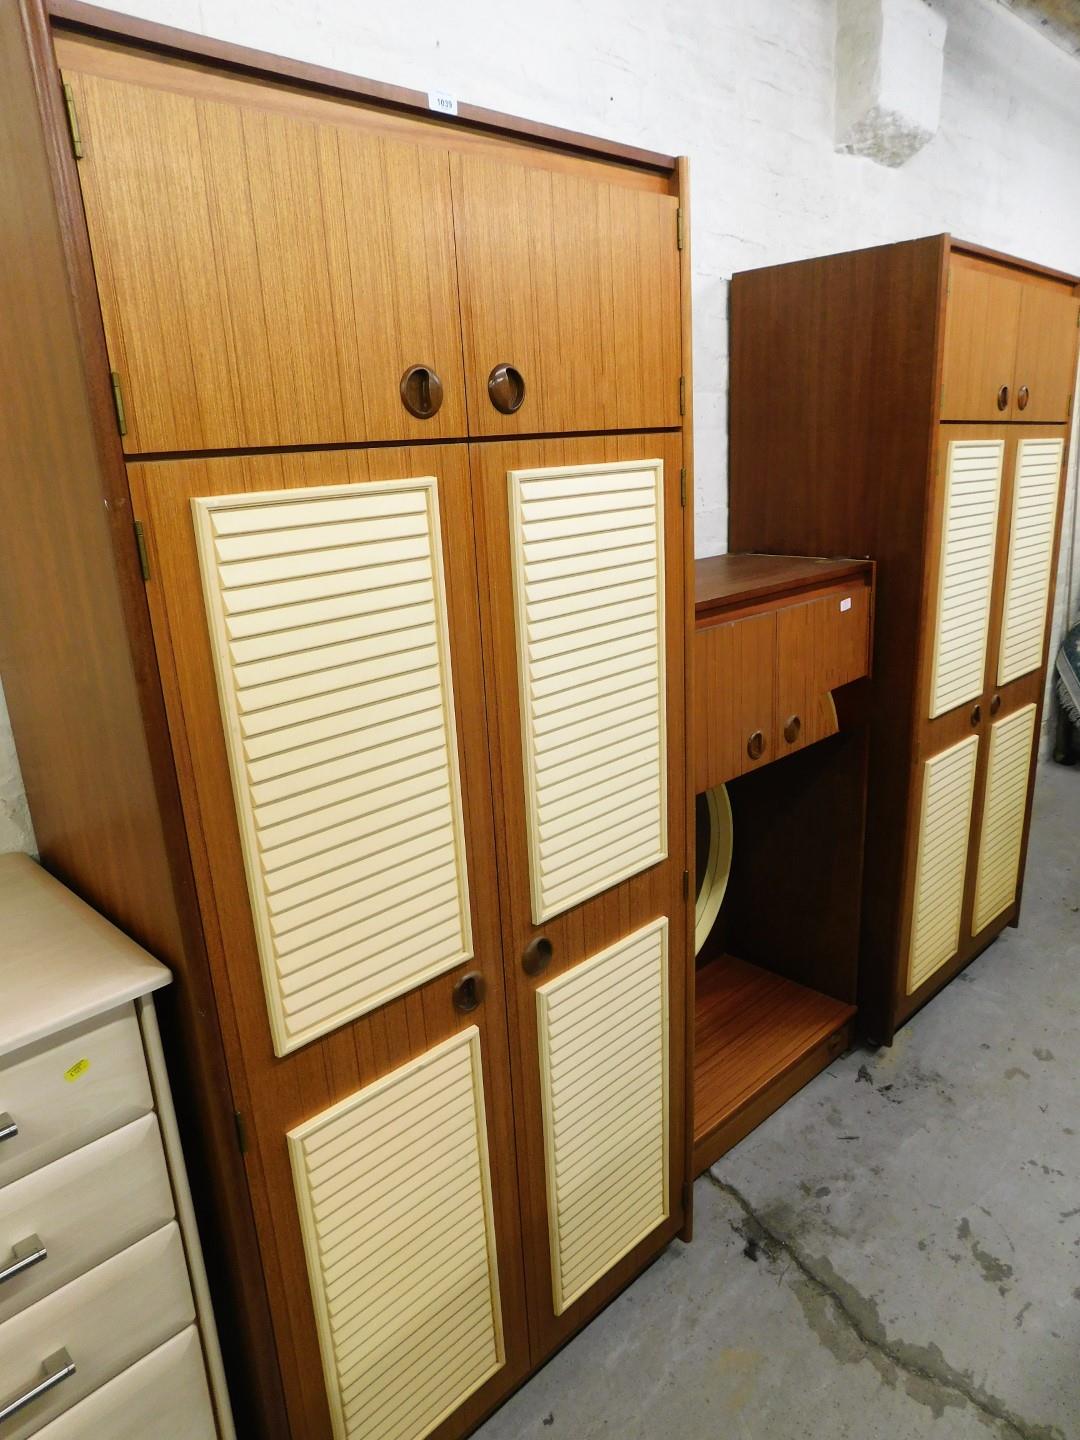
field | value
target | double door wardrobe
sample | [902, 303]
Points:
[350, 449]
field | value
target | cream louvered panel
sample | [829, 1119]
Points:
[941, 867]
[328, 625]
[969, 529]
[604, 1082]
[1007, 774]
[588, 556]
[394, 1191]
[1031, 546]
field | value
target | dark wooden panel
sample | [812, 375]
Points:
[77, 661]
[721, 581]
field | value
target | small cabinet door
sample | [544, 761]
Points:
[570, 298]
[821, 644]
[982, 320]
[585, 607]
[1045, 373]
[318, 633]
[271, 265]
[735, 706]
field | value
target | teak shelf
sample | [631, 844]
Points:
[780, 646]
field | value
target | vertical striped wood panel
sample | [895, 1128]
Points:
[1031, 547]
[394, 1189]
[604, 1082]
[941, 867]
[965, 578]
[587, 546]
[328, 625]
[1002, 835]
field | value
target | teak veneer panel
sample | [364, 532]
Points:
[752, 1029]
[734, 688]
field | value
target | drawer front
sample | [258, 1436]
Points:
[72, 1088]
[83, 1208]
[105, 1320]
[163, 1396]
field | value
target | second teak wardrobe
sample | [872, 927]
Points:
[401, 426]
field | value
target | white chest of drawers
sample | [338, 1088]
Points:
[106, 1330]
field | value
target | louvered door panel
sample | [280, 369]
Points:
[395, 1199]
[1004, 809]
[604, 1079]
[587, 546]
[941, 866]
[1031, 548]
[966, 571]
[328, 626]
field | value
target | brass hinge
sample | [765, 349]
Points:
[118, 402]
[686, 884]
[680, 238]
[682, 488]
[140, 546]
[682, 394]
[241, 1131]
[73, 121]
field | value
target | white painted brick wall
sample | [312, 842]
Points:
[745, 89]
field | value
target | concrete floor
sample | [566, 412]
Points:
[897, 1252]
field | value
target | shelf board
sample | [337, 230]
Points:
[758, 1039]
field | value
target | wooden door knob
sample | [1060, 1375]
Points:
[976, 714]
[1023, 395]
[755, 746]
[421, 391]
[536, 956]
[468, 992]
[995, 705]
[506, 389]
[1003, 398]
[792, 728]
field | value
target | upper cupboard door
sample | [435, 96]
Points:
[570, 299]
[1046, 354]
[272, 269]
[982, 319]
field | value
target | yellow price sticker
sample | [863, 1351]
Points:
[73, 1072]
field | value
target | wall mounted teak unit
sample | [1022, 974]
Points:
[950, 474]
[781, 647]
[325, 692]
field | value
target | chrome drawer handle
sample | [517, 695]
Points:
[23, 1254]
[57, 1366]
[8, 1128]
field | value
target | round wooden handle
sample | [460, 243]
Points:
[976, 714]
[421, 391]
[506, 389]
[792, 728]
[468, 992]
[1023, 395]
[995, 705]
[536, 956]
[1003, 398]
[755, 746]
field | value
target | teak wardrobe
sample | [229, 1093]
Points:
[347, 562]
[912, 402]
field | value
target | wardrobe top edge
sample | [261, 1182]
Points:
[721, 581]
[75, 17]
[938, 247]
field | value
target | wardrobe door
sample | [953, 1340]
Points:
[1010, 757]
[982, 320]
[1032, 527]
[966, 542]
[273, 267]
[941, 858]
[570, 297]
[585, 610]
[316, 621]
[1046, 354]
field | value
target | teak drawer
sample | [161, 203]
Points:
[68, 1090]
[164, 1395]
[763, 680]
[83, 1208]
[105, 1321]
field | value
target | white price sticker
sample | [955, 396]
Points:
[443, 103]
[845, 604]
